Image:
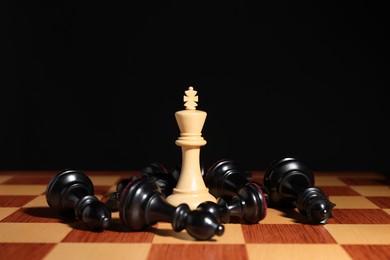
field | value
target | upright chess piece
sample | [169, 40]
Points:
[71, 194]
[142, 204]
[291, 183]
[190, 187]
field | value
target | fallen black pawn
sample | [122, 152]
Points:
[155, 172]
[70, 194]
[248, 205]
[226, 177]
[142, 204]
[291, 184]
[237, 195]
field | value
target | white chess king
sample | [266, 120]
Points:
[190, 188]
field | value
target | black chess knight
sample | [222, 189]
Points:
[70, 194]
[291, 184]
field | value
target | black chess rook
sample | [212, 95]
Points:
[142, 204]
[70, 194]
[291, 184]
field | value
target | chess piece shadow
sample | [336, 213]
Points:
[294, 214]
[70, 194]
[142, 204]
[168, 232]
[291, 185]
[43, 212]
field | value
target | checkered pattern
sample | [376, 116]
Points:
[360, 228]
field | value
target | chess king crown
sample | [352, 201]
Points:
[190, 120]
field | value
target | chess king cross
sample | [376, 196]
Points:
[190, 187]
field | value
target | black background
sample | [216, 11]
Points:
[95, 85]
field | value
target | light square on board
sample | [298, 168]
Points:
[99, 251]
[360, 233]
[198, 251]
[33, 232]
[16, 189]
[349, 202]
[105, 180]
[296, 251]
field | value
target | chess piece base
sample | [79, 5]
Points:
[191, 198]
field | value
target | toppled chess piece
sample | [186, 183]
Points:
[291, 184]
[70, 194]
[155, 172]
[226, 177]
[142, 204]
[248, 205]
[165, 179]
[237, 195]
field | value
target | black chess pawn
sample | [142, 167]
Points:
[226, 177]
[237, 195]
[70, 194]
[291, 184]
[248, 205]
[155, 172]
[142, 204]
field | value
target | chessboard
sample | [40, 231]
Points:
[359, 228]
